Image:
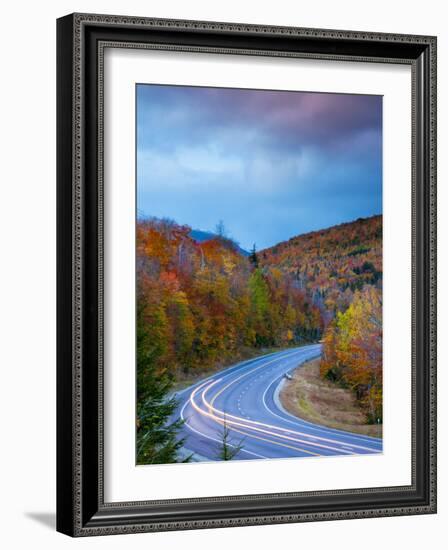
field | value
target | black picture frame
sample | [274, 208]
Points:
[81, 510]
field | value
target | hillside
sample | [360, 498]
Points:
[204, 303]
[331, 264]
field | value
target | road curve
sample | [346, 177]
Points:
[245, 397]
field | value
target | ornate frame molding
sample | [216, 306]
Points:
[82, 511]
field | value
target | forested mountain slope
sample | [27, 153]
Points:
[331, 264]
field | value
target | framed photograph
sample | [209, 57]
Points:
[246, 274]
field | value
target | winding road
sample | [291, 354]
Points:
[245, 397]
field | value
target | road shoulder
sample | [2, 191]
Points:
[311, 398]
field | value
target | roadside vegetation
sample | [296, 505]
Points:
[156, 437]
[318, 400]
[229, 448]
[353, 352]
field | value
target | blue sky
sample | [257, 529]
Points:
[269, 164]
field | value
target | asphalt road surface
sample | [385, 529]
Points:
[245, 398]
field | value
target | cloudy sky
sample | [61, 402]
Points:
[269, 164]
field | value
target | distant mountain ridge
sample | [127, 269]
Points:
[202, 236]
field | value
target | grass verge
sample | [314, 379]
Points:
[310, 397]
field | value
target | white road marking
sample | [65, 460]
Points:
[264, 373]
[243, 450]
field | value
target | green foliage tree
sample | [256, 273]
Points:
[253, 257]
[259, 292]
[228, 448]
[157, 441]
[260, 308]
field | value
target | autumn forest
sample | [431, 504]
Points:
[203, 304]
